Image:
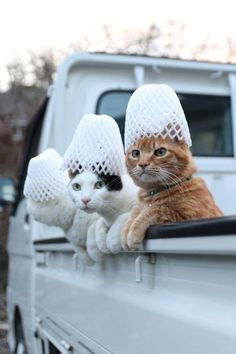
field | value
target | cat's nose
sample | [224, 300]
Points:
[143, 165]
[86, 200]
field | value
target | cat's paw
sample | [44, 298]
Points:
[134, 240]
[114, 242]
[92, 249]
[114, 234]
[124, 240]
[101, 235]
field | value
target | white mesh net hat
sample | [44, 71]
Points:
[96, 147]
[155, 110]
[44, 179]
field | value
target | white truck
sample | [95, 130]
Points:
[177, 295]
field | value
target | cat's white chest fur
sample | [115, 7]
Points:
[90, 194]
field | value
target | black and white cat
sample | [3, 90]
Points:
[112, 197]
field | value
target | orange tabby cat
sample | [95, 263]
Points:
[164, 169]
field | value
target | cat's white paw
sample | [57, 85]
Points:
[92, 249]
[114, 234]
[101, 235]
[114, 243]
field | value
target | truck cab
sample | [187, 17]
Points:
[174, 296]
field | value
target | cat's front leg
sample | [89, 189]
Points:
[125, 230]
[92, 248]
[53, 212]
[135, 236]
[101, 235]
[73, 235]
[114, 234]
[140, 225]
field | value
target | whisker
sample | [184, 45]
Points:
[176, 179]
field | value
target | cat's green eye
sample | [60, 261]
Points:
[135, 153]
[76, 186]
[100, 184]
[160, 152]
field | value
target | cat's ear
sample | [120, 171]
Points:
[181, 143]
[176, 140]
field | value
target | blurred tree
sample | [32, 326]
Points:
[43, 66]
[17, 106]
[16, 72]
[171, 39]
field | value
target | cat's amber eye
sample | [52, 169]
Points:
[160, 152]
[76, 186]
[100, 184]
[135, 153]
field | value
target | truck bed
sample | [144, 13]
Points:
[174, 296]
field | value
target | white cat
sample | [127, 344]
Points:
[111, 197]
[48, 201]
[61, 212]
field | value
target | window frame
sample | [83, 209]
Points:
[32, 140]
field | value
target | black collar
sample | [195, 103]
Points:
[153, 192]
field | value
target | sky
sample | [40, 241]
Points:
[37, 25]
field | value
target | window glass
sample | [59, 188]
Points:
[209, 118]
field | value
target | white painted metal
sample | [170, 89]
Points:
[184, 304]
[20, 349]
[20, 292]
[232, 83]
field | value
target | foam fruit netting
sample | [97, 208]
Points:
[96, 147]
[155, 110]
[44, 179]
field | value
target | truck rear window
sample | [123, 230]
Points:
[209, 118]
